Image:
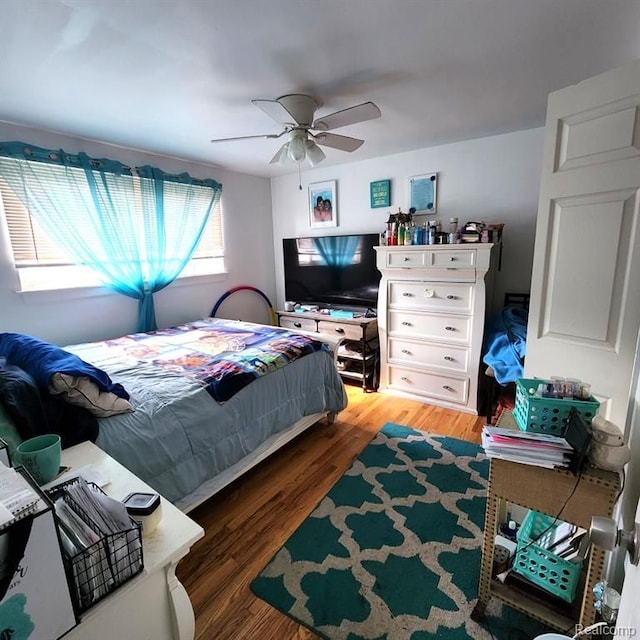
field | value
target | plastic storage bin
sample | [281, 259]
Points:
[547, 415]
[550, 572]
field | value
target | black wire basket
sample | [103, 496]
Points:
[99, 569]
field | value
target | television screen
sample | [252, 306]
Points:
[332, 270]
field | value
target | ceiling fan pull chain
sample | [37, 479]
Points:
[299, 178]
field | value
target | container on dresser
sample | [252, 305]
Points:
[358, 354]
[432, 304]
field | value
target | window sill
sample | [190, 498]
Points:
[81, 279]
[92, 290]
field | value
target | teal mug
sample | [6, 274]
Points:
[40, 456]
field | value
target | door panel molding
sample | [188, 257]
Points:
[597, 268]
[600, 135]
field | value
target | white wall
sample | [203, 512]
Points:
[93, 314]
[494, 179]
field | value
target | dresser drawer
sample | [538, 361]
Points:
[417, 354]
[433, 259]
[306, 324]
[431, 296]
[345, 330]
[430, 326]
[406, 259]
[429, 384]
[452, 259]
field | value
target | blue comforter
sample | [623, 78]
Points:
[505, 340]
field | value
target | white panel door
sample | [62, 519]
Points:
[629, 614]
[585, 289]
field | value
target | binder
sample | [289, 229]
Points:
[34, 592]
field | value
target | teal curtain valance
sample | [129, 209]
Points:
[22, 151]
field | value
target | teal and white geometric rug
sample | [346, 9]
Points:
[393, 550]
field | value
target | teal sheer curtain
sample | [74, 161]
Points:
[337, 251]
[135, 227]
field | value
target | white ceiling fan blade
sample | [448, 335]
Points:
[352, 115]
[266, 135]
[276, 111]
[291, 109]
[344, 143]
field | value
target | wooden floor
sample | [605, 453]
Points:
[250, 520]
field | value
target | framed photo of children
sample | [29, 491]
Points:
[323, 210]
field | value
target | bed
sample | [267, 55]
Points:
[199, 404]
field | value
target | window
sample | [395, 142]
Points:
[42, 264]
[313, 251]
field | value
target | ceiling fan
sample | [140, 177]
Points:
[295, 112]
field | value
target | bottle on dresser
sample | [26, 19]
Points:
[408, 234]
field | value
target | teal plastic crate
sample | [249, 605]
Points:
[556, 575]
[547, 415]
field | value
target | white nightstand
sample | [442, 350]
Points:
[154, 605]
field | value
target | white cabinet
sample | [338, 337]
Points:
[432, 304]
[154, 605]
[357, 356]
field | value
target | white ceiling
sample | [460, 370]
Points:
[168, 76]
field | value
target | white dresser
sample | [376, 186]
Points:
[432, 304]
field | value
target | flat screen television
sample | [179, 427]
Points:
[332, 271]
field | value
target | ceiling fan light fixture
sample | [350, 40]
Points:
[297, 149]
[314, 153]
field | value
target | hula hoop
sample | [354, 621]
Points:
[244, 287]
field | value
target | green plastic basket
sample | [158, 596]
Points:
[547, 415]
[550, 572]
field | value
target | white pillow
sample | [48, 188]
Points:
[84, 392]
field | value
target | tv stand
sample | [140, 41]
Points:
[358, 355]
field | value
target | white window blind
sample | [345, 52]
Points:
[39, 260]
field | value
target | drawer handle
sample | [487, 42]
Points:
[339, 330]
[450, 328]
[452, 259]
[405, 379]
[452, 297]
[406, 324]
[406, 259]
[297, 324]
[449, 359]
[407, 294]
[446, 387]
[406, 351]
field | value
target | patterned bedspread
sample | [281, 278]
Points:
[223, 355]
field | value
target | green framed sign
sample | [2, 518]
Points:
[380, 193]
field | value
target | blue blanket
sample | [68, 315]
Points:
[41, 360]
[505, 339]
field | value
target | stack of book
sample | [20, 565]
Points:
[539, 449]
